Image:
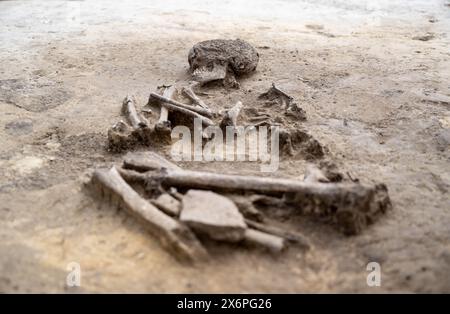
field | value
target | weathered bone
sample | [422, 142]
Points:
[172, 234]
[259, 118]
[264, 185]
[266, 122]
[295, 111]
[145, 161]
[271, 242]
[275, 93]
[352, 206]
[204, 75]
[286, 101]
[189, 92]
[120, 136]
[297, 142]
[163, 123]
[163, 127]
[279, 91]
[293, 237]
[314, 174]
[168, 204]
[246, 206]
[189, 113]
[125, 135]
[174, 192]
[129, 109]
[231, 115]
[133, 176]
[176, 105]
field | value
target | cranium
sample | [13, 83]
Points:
[222, 59]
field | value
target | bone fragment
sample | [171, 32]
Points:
[259, 118]
[189, 92]
[264, 185]
[314, 174]
[280, 92]
[129, 109]
[144, 161]
[133, 176]
[172, 234]
[174, 192]
[230, 117]
[203, 75]
[271, 242]
[293, 237]
[163, 122]
[286, 102]
[189, 113]
[176, 105]
[120, 136]
[168, 204]
[351, 205]
[246, 206]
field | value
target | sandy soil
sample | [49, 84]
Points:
[382, 68]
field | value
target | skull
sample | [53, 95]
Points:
[222, 59]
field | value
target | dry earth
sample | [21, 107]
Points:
[374, 79]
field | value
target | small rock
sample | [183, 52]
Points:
[316, 27]
[27, 164]
[214, 215]
[445, 122]
[425, 37]
[168, 204]
[443, 140]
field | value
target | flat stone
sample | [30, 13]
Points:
[212, 214]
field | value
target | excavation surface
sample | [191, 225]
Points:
[374, 80]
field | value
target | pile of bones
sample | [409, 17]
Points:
[181, 207]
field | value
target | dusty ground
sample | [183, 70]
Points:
[66, 66]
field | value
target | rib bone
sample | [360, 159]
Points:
[169, 104]
[189, 92]
[172, 104]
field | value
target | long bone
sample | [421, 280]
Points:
[351, 205]
[129, 109]
[172, 234]
[173, 104]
